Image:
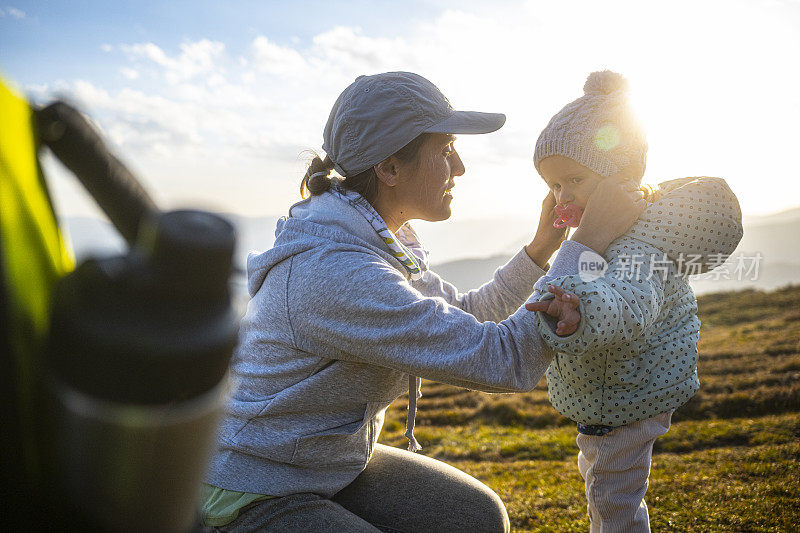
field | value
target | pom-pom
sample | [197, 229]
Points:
[605, 82]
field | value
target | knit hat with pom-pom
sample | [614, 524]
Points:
[598, 130]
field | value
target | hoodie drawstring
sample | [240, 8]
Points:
[414, 393]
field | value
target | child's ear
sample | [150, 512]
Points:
[633, 172]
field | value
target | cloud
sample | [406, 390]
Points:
[137, 122]
[250, 111]
[349, 49]
[269, 100]
[275, 59]
[195, 59]
[129, 73]
[12, 12]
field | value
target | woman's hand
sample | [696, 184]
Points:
[612, 208]
[547, 238]
[563, 308]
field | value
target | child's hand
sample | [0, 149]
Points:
[564, 308]
[611, 209]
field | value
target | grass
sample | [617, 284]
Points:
[730, 462]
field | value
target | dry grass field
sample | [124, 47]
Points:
[730, 462]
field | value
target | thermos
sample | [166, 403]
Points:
[136, 372]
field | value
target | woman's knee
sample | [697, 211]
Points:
[465, 503]
[475, 507]
[412, 492]
[489, 513]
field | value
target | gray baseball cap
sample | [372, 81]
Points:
[377, 115]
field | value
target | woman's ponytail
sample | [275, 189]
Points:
[317, 178]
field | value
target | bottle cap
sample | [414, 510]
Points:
[153, 326]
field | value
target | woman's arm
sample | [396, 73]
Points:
[371, 314]
[495, 300]
[547, 238]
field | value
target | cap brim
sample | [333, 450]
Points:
[469, 122]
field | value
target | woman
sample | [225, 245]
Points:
[344, 313]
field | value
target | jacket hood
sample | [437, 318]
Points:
[323, 220]
[697, 223]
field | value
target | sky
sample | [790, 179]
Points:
[215, 104]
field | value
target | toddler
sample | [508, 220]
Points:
[630, 359]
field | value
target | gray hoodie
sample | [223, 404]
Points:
[333, 331]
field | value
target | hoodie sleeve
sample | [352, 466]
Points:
[371, 314]
[495, 300]
[617, 306]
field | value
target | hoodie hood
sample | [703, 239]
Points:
[697, 223]
[329, 220]
[322, 220]
[259, 264]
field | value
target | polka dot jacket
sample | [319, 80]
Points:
[634, 354]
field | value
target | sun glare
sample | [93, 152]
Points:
[714, 100]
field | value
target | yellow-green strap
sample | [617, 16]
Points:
[33, 252]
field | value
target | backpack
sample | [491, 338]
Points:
[33, 256]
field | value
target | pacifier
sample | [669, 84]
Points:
[568, 216]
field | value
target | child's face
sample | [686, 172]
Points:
[571, 182]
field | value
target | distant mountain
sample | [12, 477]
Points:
[789, 215]
[775, 237]
[490, 243]
[771, 276]
[452, 240]
[469, 274]
[253, 234]
[778, 241]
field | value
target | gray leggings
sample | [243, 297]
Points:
[398, 492]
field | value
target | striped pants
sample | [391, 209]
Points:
[615, 468]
